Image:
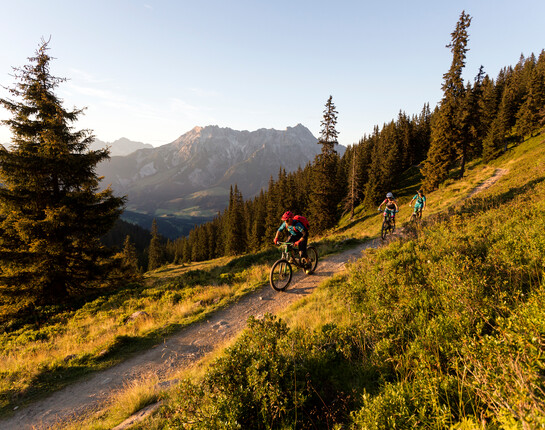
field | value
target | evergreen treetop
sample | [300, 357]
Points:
[52, 213]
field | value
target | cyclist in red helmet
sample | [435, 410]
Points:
[298, 233]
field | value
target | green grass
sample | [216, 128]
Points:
[445, 329]
[404, 338]
[40, 357]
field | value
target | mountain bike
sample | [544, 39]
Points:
[388, 226]
[281, 270]
[416, 216]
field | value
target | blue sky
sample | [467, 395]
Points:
[151, 70]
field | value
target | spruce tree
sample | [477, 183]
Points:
[530, 114]
[325, 190]
[447, 139]
[353, 192]
[156, 253]
[52, 213]
[130, 256]
[234, 230]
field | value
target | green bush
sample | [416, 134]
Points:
[274, 378]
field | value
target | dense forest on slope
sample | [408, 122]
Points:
[494, 113]
[474, 120]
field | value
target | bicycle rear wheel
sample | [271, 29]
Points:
[312, 256]
[280, 276]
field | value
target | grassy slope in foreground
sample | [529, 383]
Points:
[444, 330]
[37, 358]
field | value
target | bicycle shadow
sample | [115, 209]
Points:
[303, 284]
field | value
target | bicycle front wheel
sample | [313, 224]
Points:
[312, 255]
[280, 276]
[385, 228]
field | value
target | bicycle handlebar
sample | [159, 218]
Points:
[285, 243]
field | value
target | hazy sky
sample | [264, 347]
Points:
[151, 70]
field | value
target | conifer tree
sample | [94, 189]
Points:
[235, 231]
[156, 254]
[130, 256]
[52, 213]
[353, 192]
[530, 114]
[447, 140]
[325, 190]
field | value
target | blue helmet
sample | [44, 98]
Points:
[389, 196]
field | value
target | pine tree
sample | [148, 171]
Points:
[130, 256]
[353, 194]
[447, 139]
[235, 232]
[328, 138]
[52, 213]
[530, 114]
[156, 254]
[325, 190]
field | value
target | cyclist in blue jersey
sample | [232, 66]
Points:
[420, 203]
[298, 233]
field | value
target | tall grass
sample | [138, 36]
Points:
[444, 330]
[38, 358]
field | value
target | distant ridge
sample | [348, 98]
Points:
[187, 181]
[120, 147]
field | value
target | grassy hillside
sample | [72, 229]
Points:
[445, 329]
[408, 337]
[38, 356]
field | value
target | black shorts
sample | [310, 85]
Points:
[302, 245]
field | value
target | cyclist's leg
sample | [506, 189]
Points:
[418, 210]
[292, 239]
[303, 248]
[390, 213]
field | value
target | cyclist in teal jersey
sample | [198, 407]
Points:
[298, 233]
[420, 203]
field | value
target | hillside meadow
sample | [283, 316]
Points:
[442, 328]
[41, 355]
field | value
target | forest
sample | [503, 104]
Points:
[474, 120]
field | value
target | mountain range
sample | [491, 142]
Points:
[187, 181]
[121, 146]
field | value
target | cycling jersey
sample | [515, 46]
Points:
[296, 229]
[390, 204]
[419, 201]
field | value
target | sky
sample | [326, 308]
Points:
[151, 70]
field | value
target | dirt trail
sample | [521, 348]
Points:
[184, 348]
[498, 173]
[177, 351]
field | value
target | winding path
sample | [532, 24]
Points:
[177, 351]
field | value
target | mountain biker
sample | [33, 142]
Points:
[390, 207]
[298, 233]
[420, 203]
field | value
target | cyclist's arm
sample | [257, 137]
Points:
[280, 230]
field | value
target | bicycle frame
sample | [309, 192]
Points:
[288, 253]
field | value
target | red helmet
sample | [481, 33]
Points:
[287, 215]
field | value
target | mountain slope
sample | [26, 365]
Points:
[188, 181]
[120, 147]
